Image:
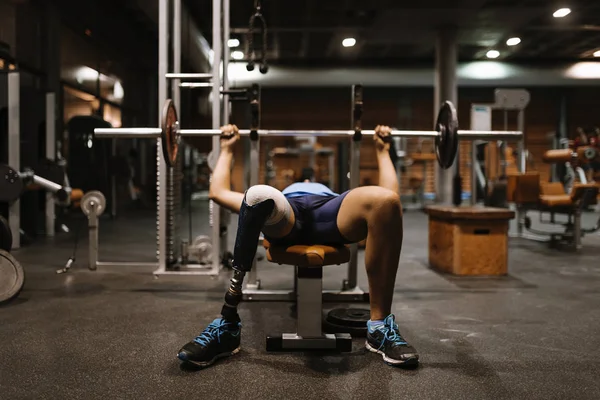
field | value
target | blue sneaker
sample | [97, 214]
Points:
[220, 339]
[387, 341]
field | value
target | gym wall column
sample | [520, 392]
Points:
[51, 63]
[445, 89]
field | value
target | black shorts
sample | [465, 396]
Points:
[316, 221]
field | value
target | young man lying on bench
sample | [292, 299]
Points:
[310, 213]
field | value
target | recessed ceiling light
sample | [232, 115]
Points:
[493, 54]
[348, 42]
[597, 53]
[513, 41]
[233, 43]
[562, 12]
[237, 55]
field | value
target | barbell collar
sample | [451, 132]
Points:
[188, 76]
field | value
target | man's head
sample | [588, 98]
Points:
[308, 175]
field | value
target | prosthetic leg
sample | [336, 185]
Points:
[251, 220]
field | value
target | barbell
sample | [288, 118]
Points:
[446, 134]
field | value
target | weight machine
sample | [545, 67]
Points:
[481, 118]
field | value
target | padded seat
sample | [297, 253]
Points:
[315, 255]
[566, 200]
[556, 200]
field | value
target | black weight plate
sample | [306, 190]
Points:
[50, 170]
[12, 277]
[356, 317]
[446, 144]
[11, 185]
[354, 331]
[5, 235]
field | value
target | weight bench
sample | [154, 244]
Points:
[309, 261]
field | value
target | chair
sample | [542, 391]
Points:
[309, 261]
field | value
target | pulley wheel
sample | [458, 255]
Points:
[12, 277]
[202, 249]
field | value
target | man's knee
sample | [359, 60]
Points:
[388, 201]
[260, 193]
[381, 199]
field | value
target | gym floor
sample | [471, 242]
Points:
[115, 333]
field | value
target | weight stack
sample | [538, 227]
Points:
[174, 182]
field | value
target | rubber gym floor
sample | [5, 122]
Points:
[114, 333]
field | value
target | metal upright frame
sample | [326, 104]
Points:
[14, 151]
[50, 155]
[349, 291]
[175, 76]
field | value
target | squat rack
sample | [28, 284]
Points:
[170, 128]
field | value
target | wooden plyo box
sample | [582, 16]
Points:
[469, 240]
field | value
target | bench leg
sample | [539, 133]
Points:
[309, 334]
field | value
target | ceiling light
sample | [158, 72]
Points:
[562, 12]
[348, 42]
[233, 42]
[493, 54]
[597, 53]
[237, 55]
[513, 41]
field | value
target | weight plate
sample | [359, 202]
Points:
[446, 144]
[201, 248]
[11, 185]
[95, 197]
[354, 331]
[12, 277]
[355, 317]
[5, 235]
[170, 133]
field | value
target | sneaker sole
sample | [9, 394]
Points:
[215, 358]
[390, 361]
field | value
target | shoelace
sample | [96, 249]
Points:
[213, 330]
[391, 332]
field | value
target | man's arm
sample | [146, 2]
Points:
[220, 185]
[387, 172]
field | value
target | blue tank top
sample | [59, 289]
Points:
[307, 188]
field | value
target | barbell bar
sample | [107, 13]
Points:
[185, 75]
[446, 136]
[154, 133]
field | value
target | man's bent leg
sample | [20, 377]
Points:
[376, 213]
[263, 208]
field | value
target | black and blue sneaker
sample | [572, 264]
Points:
[384, 338]
[220, 339]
